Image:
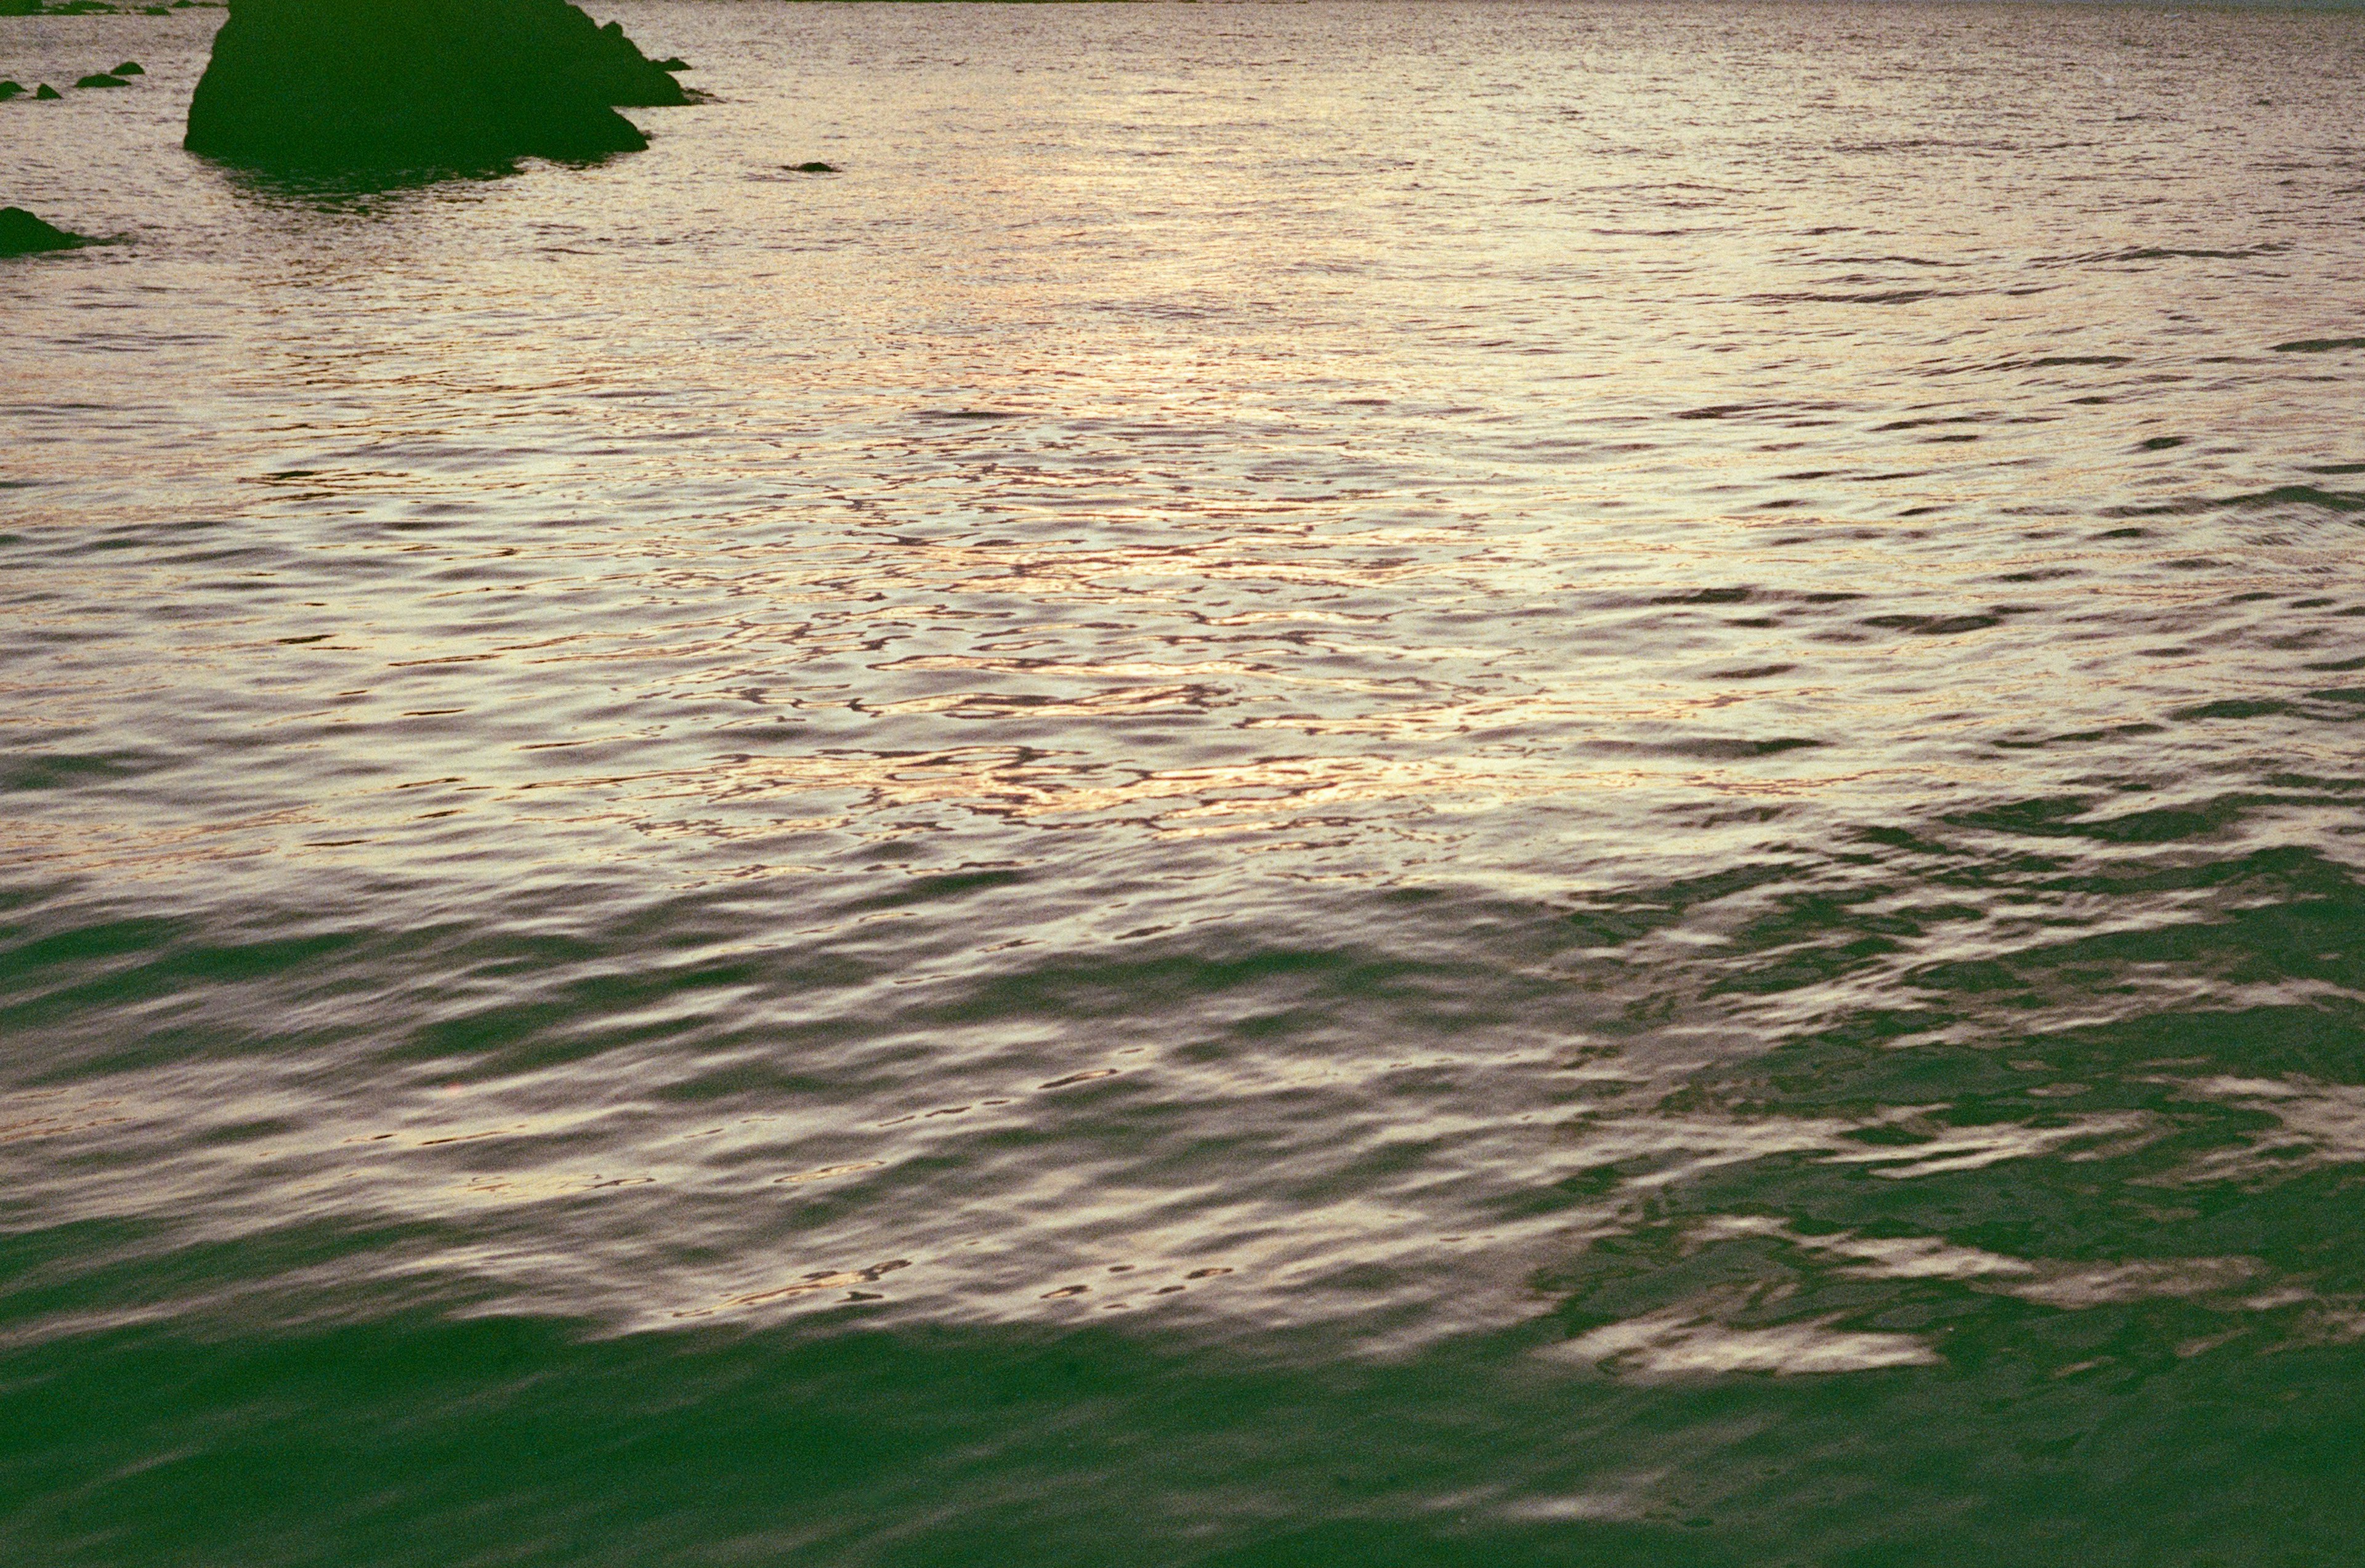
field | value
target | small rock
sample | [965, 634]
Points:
[45, 91]
[813, 168]
[675, 63]
[11, 90]
[22, 234]
[102, 80]
[128, 68]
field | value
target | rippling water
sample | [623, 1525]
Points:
[1322, 783]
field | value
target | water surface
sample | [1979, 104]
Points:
[1319, 783]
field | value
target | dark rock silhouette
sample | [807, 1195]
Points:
[813, 168]
[128, 68]
[45, 91]
[410, 84]
[22, 234]
[102, 80]
[11, 90]
[674, 62]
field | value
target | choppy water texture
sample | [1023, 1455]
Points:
[1318, 784]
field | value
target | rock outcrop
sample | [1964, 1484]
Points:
[22, 234]
[418, 84]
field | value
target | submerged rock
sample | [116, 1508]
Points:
[102, 80]
[22, 234]
[394, 83]
[45, 91]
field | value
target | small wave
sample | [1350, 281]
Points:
[59, 771]
[1877, 297]
[1891, 261]
[2251, 501]
[1679, 1341]
[2166, 253]
[1919, 424]
[2057, 818]
[2301, 495]
[1722, 748]
[2234, 707]
[1934, 625]
[2051, 360]
[1707, 596]
[2064, 1284]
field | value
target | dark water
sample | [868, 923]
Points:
[1322, 784]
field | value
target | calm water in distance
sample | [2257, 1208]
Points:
[1320, 784]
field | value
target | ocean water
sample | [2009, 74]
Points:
[1338, 783]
